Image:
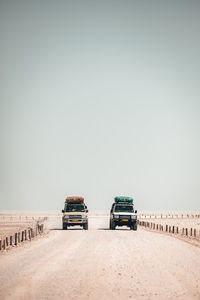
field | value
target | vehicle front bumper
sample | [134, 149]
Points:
[124, 221]
[75, 222]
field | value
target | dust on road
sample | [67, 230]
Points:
[101, 264]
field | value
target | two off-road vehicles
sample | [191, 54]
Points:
[122, 213]
[75, 212]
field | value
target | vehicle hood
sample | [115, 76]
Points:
[124, 213]
[77, 213]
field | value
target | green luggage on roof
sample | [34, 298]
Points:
[123, 199]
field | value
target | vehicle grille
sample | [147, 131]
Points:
[75, 217]
[124, 217]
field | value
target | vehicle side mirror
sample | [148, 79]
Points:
[62, 210]
[136, 211]
[86, 210]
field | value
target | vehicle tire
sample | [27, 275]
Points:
[112, 226]
[135, 226]
[85, 226]
[64, 226]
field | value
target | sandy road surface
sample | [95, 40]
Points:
[101, 264]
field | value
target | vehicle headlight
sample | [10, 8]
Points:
[133, 217]
[116, 216]
[66, 217]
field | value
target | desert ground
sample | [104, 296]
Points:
[100, 264]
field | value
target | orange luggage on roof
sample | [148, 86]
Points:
[74, 199]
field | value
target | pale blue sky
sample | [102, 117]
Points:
[100, 98]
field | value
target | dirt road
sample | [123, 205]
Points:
[101, 264]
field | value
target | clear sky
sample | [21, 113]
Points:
[100, 98]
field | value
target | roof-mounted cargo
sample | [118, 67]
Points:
[123, 199]
[74, 199]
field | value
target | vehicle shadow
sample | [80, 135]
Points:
[57, 229]
[118, 229]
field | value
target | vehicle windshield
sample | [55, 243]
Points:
[119, 208]
[74, 207]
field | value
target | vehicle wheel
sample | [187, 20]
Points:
[135, 226]
[112, 226]
[85, 226]
[64, 226]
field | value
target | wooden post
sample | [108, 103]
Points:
[169, 229]
[194, 232]
[4, 244]
[22, 236]
[177, 229]
[11, 240]
[6, 241]
[172, 229]
[42, 228]
[16, 239]
[0, 245]
[166, 228]
[183, 231]
[25, 235]
[19, 237]
[32, 233]
[190, 231]
[186, 231]
[29, 234]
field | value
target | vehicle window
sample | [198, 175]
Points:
[75, 207]
[123, 208]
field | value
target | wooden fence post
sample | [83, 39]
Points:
[11, 240]
[190, 231]
[6, 241]
[177, 229]
[22, 236]
[0, 245]
[19, 237]
[194, 232]
[29, 234]
[169, 229]
[166, 228]
[172, 229]
[186, 231]
[16, 239]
